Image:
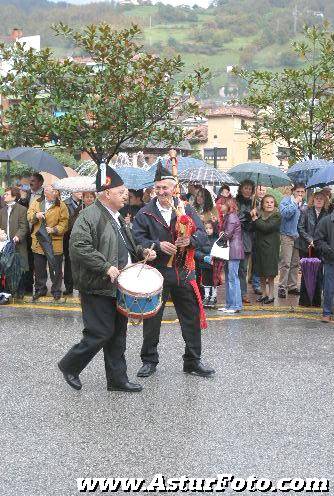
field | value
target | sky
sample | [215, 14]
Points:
[200, 3]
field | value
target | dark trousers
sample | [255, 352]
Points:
[186, 307]
[328, 289]
[242, 273]
[304, 299]
[41, 275]
[105, 328]
[29, 275]
[68, 280]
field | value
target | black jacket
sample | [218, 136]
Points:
[205, 250]
[324, 238]
[245, 206]
[307, 224]
[150, 227]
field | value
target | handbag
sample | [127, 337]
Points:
[221, 248]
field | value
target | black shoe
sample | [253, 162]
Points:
[294, 291]
[68, 292]
[268, 300]
[281, 293]
[57, 297]
[198, 368]
[128, 387]
[5, 300]
[146, 370]
[71, 379]
[37, 296]
[261, 299]
[257, 291]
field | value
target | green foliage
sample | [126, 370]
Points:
[66, 158]
[296, 106]
[127, 94]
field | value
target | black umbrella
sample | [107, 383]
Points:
[45, 241]
[36, 158]
[10, 267]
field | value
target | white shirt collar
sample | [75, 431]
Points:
[163, 209]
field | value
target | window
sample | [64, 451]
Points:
[283, 152]
[254, 153]
[209, 153]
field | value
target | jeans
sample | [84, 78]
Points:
[328, 289]
[232, 285]
[256, 282]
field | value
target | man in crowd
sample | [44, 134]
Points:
[50, 211]
[14, 226]
[34, 192]
[290, 210]
[73, 203]
[100, 246]
[193, 189]
[156, 223]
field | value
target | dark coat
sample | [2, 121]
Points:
[150, 227]
[232, 233]
[244, 207]
[267, 245]
[94, 249]
[205, 250]
[324, 238]
[18, 226]
[307, 224]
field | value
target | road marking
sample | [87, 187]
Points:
[279, 315]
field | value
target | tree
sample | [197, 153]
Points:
[125, 95]
[296, 106]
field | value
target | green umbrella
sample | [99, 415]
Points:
[260, 174]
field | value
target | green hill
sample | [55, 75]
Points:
[254, 33]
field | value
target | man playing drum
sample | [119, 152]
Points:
[156, 223]
[100, 246]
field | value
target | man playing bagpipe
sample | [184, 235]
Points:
[176, 231]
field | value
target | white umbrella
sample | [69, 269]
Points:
[75, 184]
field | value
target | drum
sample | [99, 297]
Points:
[139, 292]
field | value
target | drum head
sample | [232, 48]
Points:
[140, 279]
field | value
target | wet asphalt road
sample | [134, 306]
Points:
[268, 412]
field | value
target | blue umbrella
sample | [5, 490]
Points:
[135, 178]
[36, 158]
[259, 173]
[182, 163]
[324, 177]
[207, 175]
[301, 172]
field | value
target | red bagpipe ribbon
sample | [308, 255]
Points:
[202, 316]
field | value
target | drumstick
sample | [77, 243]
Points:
[145, 259]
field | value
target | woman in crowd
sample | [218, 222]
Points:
[316, 209]
[205, 208]
[232, 233]
[244, 201]
[88, 197]
[266, 224]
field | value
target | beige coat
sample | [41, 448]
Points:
[56, 217]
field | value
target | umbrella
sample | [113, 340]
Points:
[264, 174]
[75, 184]
[182, 163]
[10, 266]
[207, 175]
[135, 178]
[323, 177]
[45, 241]
[310, 268]
[301, 172]
[35, 158]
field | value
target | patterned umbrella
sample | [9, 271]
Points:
[75, 184]
[135, 178]
[10, 266]
[207, 175]
[301, 172]
[310, 268]
[259, 173]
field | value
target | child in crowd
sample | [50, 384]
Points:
[205, 264]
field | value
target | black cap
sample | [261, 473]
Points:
[163, 173]
[111, 180]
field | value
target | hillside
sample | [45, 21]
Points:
[254, 33]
